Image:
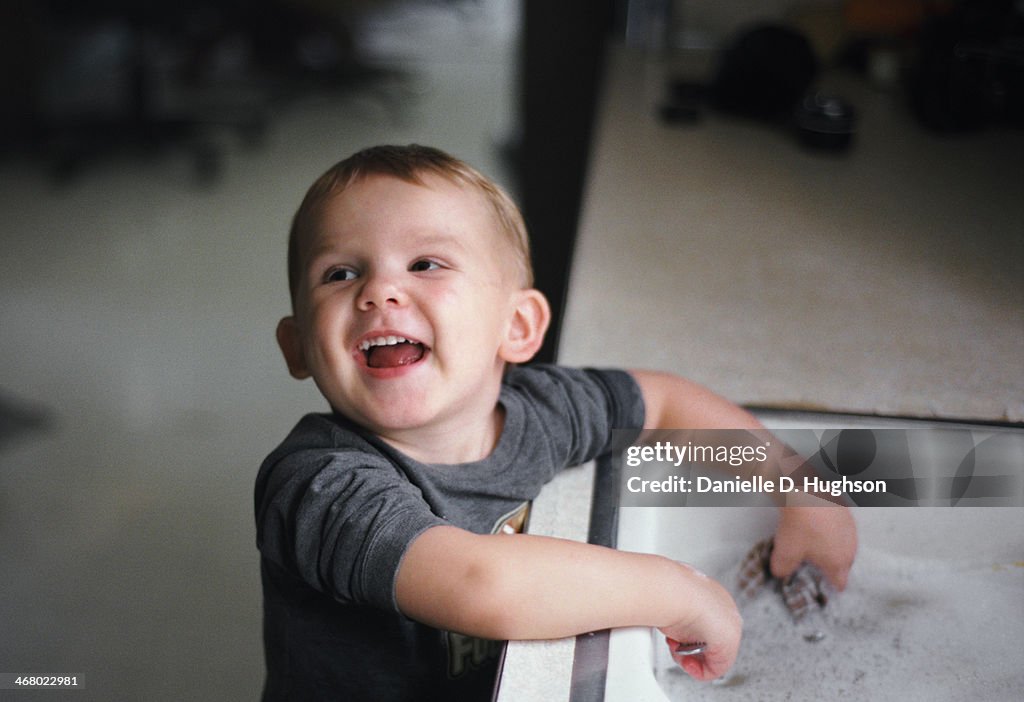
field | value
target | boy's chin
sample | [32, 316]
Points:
[398, 415]
[408, 412]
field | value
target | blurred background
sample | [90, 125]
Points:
[151, 157]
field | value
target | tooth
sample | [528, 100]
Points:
[389, 340]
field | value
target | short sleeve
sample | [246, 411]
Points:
[577, 411]
[341, 520]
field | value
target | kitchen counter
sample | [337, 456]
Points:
[884, 281]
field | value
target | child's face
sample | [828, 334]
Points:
[392, 260]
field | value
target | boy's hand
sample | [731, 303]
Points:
[714, 621]
[824, 536]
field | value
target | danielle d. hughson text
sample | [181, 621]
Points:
[755, 484]
[919, 465]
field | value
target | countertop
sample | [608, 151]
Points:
[888, 280]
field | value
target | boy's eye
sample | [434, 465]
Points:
[424, 265]
[339, 274]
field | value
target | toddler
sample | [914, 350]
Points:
[389, 528]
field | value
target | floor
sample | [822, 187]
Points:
[140, 383]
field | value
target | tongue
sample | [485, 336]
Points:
[394, 355]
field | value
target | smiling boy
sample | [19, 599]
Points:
[394, 260]
[388, 527]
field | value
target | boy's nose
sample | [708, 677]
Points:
[379, 291]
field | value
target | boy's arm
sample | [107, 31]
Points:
[823, 535]
[672, 402]
[531, 587]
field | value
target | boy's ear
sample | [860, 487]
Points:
[530, 318]
[289, 339]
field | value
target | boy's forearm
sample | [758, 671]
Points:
[675, 403]
[672, 402]
[530, 587]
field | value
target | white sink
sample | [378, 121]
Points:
[933, 609]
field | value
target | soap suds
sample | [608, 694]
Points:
[905, 628]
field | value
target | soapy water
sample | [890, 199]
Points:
[905, 628]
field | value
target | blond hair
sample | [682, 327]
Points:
[408, 163]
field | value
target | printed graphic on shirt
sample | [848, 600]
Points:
[466, 653]
[514, 522]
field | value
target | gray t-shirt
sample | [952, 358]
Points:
[336, 509]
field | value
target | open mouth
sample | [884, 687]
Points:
[391, 351]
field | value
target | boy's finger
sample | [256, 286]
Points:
[700, 666]
[838, 578]
[783, 561]
[708, 666]
[693, 667]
